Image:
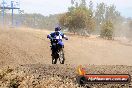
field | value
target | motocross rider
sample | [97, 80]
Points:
[56, 33]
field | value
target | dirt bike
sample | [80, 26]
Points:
[57, 51]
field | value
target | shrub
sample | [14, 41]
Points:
[107, 30]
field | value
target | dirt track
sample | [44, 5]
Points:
[25, 46]
[28, 53]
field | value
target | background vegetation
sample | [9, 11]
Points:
[81, 18]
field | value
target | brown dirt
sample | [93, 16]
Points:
[27, 51]
[24, 46]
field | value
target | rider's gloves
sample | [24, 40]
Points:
[48, 36]
[66, 38]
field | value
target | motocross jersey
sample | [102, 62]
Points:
[57, 34]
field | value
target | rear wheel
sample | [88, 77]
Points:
[61, 56]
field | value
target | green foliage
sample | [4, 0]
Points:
[78, 18]
[107, 30]
[99, 13]
[32, 20]
[112, 14]
[39, 21]
[105, 13]
[81, 18]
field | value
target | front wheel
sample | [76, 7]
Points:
[54, 57]
[61, 56]
[54, 60]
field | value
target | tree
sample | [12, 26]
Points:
[83, 3]
[112, 14]
[91, 8]
[107, 30]
[78, 19]
[105, 13]
[100, 13]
